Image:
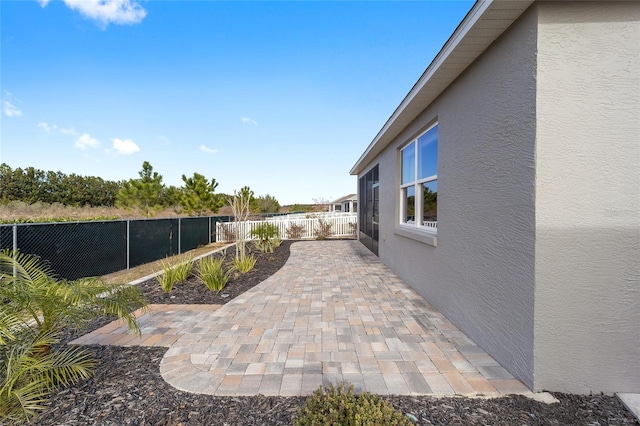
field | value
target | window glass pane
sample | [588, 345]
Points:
[410, 204]
[428, 154]
[408, 163]
[430, 204]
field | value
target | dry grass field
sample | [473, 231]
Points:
[17, 210]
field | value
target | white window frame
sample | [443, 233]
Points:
[418, 184]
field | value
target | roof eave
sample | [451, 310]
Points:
[484, 23]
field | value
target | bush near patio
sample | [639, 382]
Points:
[36, 308]
[296, 231]
[323, 231]
[267, 237]
[339, 406]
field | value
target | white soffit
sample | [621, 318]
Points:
[484, 23]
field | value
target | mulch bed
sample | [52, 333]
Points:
[193, 291]
[127, 388]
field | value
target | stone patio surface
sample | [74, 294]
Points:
[333, 313]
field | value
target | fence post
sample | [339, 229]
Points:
[179, 229]
[209, 229]
[128, 250]
[15, 249]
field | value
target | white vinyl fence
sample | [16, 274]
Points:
[344, 225]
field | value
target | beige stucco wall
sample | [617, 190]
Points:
[481, 274]
[587, 319]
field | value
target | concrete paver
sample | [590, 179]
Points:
[333, 313]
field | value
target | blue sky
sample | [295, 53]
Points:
[280, 96]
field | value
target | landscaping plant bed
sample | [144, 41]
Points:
[127, 388]
[193, 291]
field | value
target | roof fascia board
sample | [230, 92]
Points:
[468, 23]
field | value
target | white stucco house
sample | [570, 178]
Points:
[521, 141]
[346, 204]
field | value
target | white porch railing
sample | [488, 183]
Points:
[343, 225]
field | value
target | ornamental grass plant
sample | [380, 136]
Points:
[168, 277]
[243, 262]
[173, 274]
[211, 271]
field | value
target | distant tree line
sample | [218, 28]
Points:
[147, 194]
[33, 185]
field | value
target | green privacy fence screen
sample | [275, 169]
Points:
[81, 249]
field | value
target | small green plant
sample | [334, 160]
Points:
[212, 273]
[339, 406]
[168, 277]
[295, 231]
[323, 231]
[265, 231]
[268, 246]
[173, 274]
[183, 269]
[275, 243]
[265, 234]
[244, 262]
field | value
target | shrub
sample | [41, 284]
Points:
[168, 277]
[212, 273]
[275, 243]
[228, 232]
[339, 406]
[244, 262]
[183, 269]
[265, 234]
[265, 231]
[295, 231]
[323, 231]
[37, 308]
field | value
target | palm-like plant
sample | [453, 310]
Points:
[35, 307]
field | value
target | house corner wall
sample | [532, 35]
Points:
[587, 319]
[481, 274]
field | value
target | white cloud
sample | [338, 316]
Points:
[10, 110]
[70, 131]
[106, 12]
[125, 147]
[49, 129]
[204, 148]
[249, 121]
[86, 141]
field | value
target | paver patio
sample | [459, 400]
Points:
[334, 312]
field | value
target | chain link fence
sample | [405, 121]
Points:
[81, 249]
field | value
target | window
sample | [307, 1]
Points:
[419, 182]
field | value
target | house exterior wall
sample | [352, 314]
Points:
[481, 274]
[587, 320]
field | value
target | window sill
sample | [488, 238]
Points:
[425, 237]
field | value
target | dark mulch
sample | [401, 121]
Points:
[127, 388]
[193, 291]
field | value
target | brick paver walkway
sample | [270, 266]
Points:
[334, 312]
